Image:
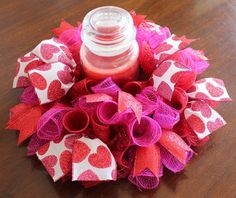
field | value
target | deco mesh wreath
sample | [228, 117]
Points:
[92, 131]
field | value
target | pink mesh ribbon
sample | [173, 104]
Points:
[149, 100]
[212, 89]
[126, 101]
[165, 115]
[92, 161]
[176, 146]
[145, 180]
[81, 103]
[146, 133]
[34, 144]
[149, 36]
[50, 126]
[56, 156]
[107, 113]
[76, 121]
[29, 96]
[202, 118]
[170, 46]
[168, 74]
[171, 162]
[194, 59]
[72, 36]
[107, 86]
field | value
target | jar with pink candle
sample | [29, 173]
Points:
[109, 47]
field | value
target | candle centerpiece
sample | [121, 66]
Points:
[90, 117]
[109, 47]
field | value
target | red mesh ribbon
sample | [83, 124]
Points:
[24, 118]
[100, 130]
[179, 99]
[81, 88]
[175, 145]
[76, 121]
[147, 158]
[135, 87]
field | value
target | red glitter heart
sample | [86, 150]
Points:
[203, 107]
[101, 159]
[196, 124]
[203, 96]
[80, 151]
[38, 81]
[48, 50]
[49, 162]
[160, 71]
[67, 52]
[69, 141]
[66, 161]
[88, 175]
[43, 149]
[212, 126]
[22, 82]
[214, 91]
[64, 75]
[163, 47]
[55, 91]
[32, 65]
[165, 90]
[175, 77]
[44, 67]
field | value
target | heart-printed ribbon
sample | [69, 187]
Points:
[166, 76]
[48, 69]
[92, 161]
[170, 46]
[88, 159]
[202, 118]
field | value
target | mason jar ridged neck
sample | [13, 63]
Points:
[108, 31]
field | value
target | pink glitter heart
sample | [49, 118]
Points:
[48, 50]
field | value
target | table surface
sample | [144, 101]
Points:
[212, 173]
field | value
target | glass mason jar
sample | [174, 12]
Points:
[109, 47]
